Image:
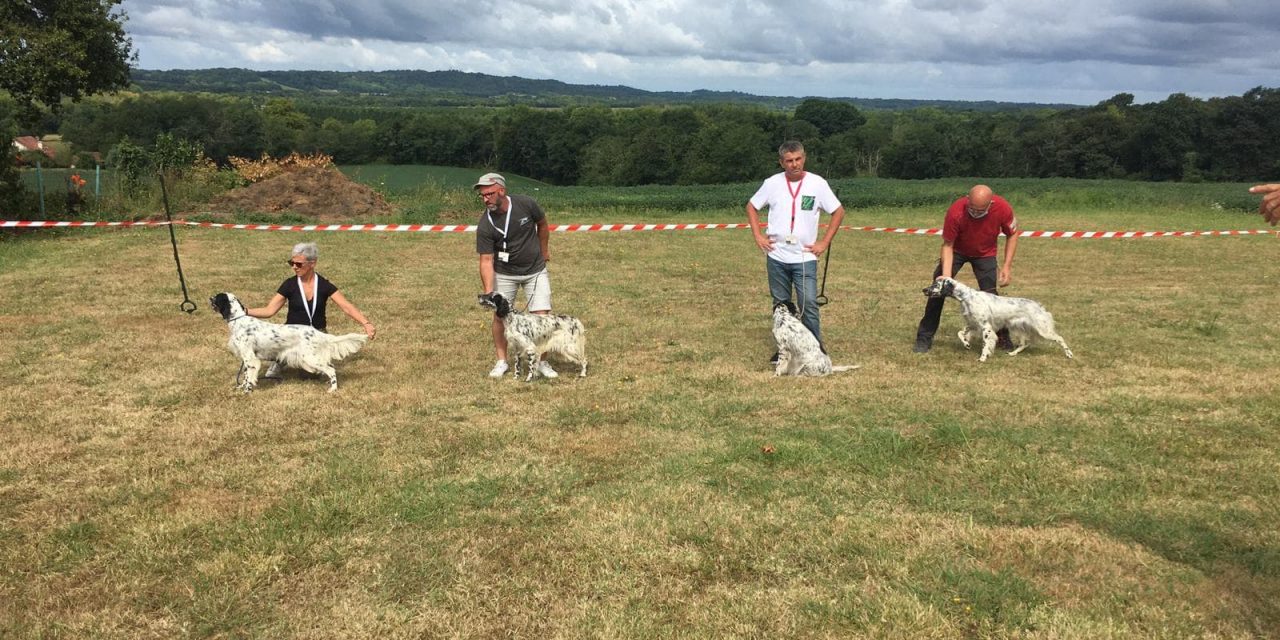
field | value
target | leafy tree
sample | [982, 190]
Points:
[284, 127]
[55, 49]
[830, 116]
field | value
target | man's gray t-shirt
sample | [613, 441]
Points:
[520, 225]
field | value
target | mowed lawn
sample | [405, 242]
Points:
[679, 491]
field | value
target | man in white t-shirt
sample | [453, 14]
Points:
[795, 199]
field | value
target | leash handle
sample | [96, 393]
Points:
[822, 298]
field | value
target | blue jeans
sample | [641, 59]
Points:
[804, 278]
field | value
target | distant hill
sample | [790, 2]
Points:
[458, 88]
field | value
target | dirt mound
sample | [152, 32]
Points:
[321, 193]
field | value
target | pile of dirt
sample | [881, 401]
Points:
[321, 193]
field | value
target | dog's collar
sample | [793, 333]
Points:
[243, 315]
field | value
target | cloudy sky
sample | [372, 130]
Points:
[1079, 52]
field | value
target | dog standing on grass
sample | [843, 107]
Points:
[288, 345]
[985, 314]
[799, 353]
[529, 335]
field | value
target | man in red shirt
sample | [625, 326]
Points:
[969, 235]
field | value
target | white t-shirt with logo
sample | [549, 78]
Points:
[811, 196]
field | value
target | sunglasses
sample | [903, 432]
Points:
[296, 265]
[978, 213]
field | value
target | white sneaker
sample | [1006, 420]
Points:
[545, 370]
[499, 369]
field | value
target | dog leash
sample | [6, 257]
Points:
[187, 305]
[822, 298]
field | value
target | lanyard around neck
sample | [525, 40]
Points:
[794, 195]
[315, 299]
[506, 225]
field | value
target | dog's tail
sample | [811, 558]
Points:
[339, 347]
[844, 367]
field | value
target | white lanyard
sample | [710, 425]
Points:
[794, 194]
[315, 300]
[505, 226]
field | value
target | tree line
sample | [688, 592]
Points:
[1180, 138]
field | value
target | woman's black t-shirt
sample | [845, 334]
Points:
[297, 311]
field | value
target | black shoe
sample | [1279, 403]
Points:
[922, 345]
[774, 359]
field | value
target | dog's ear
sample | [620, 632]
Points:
[222, 304]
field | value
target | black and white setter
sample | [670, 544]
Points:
[985, 314]
[529, 335]
[799, 353]
[288, 345]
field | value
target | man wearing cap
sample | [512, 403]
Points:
[969, 234]
[795, 198]
[511, 238]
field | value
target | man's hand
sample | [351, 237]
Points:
[765, 244]
[1270, 205]
[1005, 277]
[818, 247]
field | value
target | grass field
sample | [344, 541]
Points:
[1129, 493]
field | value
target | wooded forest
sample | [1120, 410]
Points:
[1180, 138]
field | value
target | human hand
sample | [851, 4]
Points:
[1270, 205]
[1005, 277]
[817, 248]
[370, 330]
[765, 244]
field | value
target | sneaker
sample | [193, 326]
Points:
[774, 359]
[922, 345]
[545, 370]
[499, 369]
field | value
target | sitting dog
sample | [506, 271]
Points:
[799, 353]
[986, 313]
[529, 335]
[289, 345]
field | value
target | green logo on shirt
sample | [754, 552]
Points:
[806, 203]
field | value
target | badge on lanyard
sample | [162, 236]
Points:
[503, 256]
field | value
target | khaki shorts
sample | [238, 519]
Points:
[537, 289]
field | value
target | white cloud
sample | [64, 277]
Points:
[1021, 50]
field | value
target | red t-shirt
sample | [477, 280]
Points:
[977, 238]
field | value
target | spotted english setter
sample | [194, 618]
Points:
[288, 345]
[799, 353]
[529, 335]
[985, 314]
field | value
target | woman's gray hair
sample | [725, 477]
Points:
[308, 250]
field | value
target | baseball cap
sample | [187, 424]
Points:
[489, 179]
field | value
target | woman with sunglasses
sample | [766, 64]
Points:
[307, 293]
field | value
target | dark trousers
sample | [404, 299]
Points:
[984, 269]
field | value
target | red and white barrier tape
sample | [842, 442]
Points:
[464, 228]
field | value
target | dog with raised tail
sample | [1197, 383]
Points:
[288, 345]
[985, 314]
[530, 335]
[799, 353]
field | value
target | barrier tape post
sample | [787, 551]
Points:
[187, 305]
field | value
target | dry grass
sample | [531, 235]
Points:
[1131, 492]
